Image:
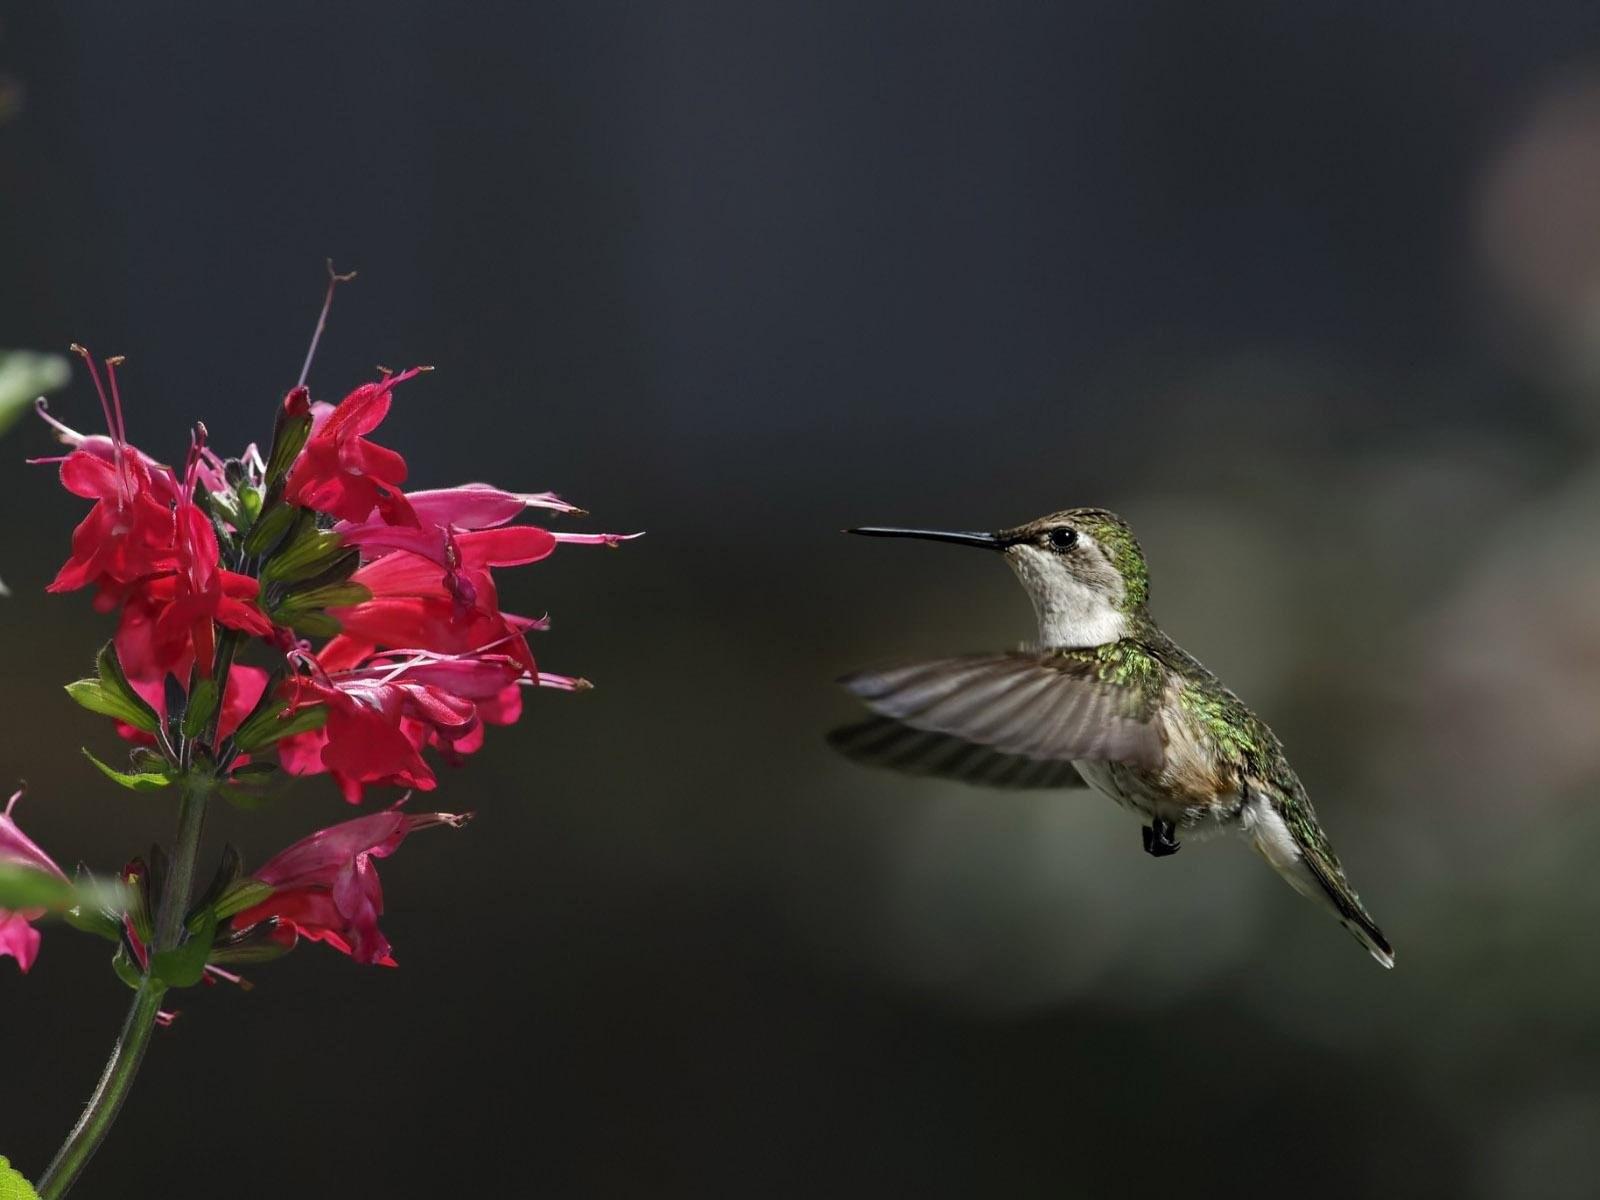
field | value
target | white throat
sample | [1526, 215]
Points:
[1071, 613]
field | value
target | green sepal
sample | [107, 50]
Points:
[333, 595]
[202, 703]
[127, 970]
[145, 759]
[269, 530]
[255, 785]
[308, 624]
[306, 612]
[137, 906]
[224, 506]
[138, 781]
[266, 728]
[250, 953]
[12, 1185]
[229, 868]
[184, 965]
[243, 894]
[250, 503]
[288, 439]
[306, 553]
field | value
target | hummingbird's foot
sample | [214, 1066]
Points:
[1160, 838]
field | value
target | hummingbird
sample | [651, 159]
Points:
[1104, 698]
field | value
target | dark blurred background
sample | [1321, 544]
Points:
[1309, 292]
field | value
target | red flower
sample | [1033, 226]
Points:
[128, 532]
[327, 887]
[183, 603]
[341, 473]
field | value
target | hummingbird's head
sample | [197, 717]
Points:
[1082, 568]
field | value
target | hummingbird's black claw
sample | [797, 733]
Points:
[1160, 838]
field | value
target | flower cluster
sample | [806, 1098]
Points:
[378, 643]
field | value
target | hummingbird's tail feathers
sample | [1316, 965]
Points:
[1348, 905]
[1036, 705]
[1370, 936]
[1306, 861]
[886, 742]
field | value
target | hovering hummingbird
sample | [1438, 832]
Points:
[1106, 699]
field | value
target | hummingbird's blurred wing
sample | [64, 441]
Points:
[885, 742]
[1032, 704]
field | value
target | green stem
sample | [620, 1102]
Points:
[104, 1105]
[173, 905]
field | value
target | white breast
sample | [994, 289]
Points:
[1071, 613]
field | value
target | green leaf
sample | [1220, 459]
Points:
[139, 781]
[112, 695]
[183, 966]
[202, 703]
[24, 376]
[12, 1185]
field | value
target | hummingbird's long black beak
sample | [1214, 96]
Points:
[988, 541]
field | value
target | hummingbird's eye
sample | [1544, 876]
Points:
[1063, 539]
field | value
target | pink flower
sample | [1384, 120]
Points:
[446, 511]
[382, 714]
[327, 885]
[341, 473]
[18, 937]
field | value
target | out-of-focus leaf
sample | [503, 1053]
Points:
[27, 888]
[12, 1185]
[25, 375]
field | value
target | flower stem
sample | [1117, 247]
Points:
[172, 907]
[174, 904]
[92, 1127]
